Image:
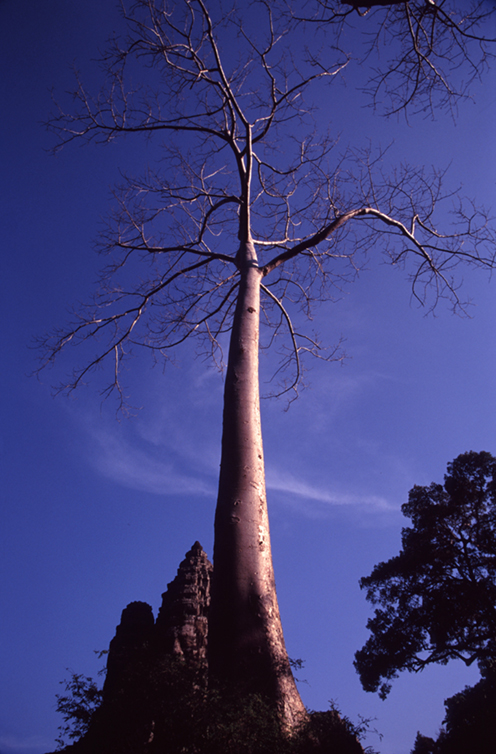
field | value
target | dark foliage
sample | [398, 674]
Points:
[77, 706]
[165, 710]
[469, 721]
[470, 716]
[436, 599]
[423, 745]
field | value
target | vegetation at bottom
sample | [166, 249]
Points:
[469, 721]
[167, 710]
[81, 699]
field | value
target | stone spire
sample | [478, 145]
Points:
[137, 689]
[182, 622]
[130, 643]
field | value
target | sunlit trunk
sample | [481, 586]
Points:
[246, 643]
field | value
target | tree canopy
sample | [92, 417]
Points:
[437, 598]
[238, 151]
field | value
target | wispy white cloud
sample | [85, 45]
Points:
[175, 450]
[299, 488]
[139, 468]
[135, 467]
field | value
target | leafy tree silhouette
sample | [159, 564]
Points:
[436, 598]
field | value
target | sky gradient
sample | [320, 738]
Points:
[97, 512]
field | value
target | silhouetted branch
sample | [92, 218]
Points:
[423, 54]
[235, 168]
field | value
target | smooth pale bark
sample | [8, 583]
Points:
[246, 643]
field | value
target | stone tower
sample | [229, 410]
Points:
[182, 622]
[142, 663]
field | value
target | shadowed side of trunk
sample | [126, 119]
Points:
[246, 643]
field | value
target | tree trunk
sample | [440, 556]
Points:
[246, 643]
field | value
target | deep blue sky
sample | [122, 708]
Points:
[97, 513]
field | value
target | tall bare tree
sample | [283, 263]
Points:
[246, 201]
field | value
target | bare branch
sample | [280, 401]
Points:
[292, 334]
[436, 49]
[236, 170]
